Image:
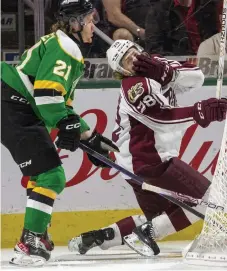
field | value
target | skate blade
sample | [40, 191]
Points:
[27, 260]
[135, 244]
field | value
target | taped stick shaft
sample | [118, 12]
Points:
[183, 197]
[103, 36]
[136, 179]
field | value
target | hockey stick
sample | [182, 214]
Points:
[103, 36]
[137, 179]
[183, 197]
[222, 53]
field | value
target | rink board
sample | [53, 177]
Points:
[95, 197]
[66, 225]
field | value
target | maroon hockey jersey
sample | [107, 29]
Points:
[149, 123]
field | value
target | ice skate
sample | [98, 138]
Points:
[32, 250]
[142, 240]
[90, 239]
[46, 239]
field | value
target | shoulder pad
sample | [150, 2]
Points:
[69, 46]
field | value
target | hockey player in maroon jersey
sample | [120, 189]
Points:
[148, 131]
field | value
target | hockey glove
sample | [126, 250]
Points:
[150, 67]
[207, 111]
[100, 144]
[69, 133]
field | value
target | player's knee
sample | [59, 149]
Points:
[60, 181]
[178, 176]
[53, 179]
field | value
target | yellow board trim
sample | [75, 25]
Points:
[39, 84]
[65, 225]
[46, 192]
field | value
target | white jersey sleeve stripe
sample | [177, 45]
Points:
[49, 100]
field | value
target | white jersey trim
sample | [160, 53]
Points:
[69, 46]
[26, 81]
[49, 100]
[29, 54]
[132, 112]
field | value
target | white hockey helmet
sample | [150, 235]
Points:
[116, 52]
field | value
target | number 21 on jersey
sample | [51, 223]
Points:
[61, 69]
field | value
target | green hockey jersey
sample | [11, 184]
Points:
[47, 76]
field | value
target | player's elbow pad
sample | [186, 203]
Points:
[189, 80]
[199, 79]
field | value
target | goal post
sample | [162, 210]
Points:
[222, 51]
[210, 247]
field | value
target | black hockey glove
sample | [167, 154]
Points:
[69, 133]
[100, 144]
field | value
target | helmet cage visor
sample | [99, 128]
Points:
[81, 19]
[118, 66]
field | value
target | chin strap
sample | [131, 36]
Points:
[83, 46]
[79, 41]
[80, 35]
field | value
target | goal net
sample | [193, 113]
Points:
[210, 247]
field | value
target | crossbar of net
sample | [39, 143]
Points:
[213, 238]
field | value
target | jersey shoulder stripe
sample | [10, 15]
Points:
[69, 46]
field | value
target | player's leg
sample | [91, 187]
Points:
[106, 237]
[30, 186]
[150, 203]
[152, 206]
[30, 145]
[166, 217]
[46, 236]
[180, 177]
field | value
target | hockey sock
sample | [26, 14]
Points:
[116, 241]
[30, 186]
[128, 224]
[41, 200]
[39, 209]
[123, 228]
[175, 219]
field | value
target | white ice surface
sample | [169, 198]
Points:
[116, 259]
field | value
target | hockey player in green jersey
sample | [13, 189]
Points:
[36, 94]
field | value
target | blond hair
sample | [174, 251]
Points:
[118, 76]
[60, 25]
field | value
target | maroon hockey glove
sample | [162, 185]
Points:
[102, 145]
[207, 111]
[148, 66]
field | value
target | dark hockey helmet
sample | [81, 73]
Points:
[74, 9]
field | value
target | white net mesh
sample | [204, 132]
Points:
[211, 245]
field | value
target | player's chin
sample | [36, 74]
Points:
[132, 72]
[90, 38]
